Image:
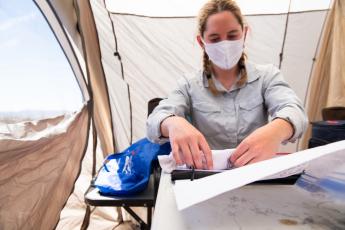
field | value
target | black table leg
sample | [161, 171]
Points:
[143, 225]
[149, 217]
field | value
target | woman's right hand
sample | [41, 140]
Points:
[188, 144]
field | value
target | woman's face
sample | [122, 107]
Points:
[222, 26]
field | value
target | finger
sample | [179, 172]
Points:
[187, 155]
[239, 151]
[205, 148]
[259, 158]
[176, 153]
[255, 160]
[244, 159]
[196, 154]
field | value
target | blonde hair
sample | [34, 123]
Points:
[210, 8]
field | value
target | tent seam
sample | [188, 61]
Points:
[117, 54]
[182, 17]
[281, 55]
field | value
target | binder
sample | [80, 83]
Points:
[193, 174]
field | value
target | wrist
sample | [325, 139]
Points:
[166, 125]
[282, 129]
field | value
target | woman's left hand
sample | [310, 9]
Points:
[262, 144]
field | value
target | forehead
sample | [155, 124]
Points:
[222, 22]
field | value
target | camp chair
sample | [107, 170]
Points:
[333, 113]
[147, 198]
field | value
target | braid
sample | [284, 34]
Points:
[242, 70]
[208, 73]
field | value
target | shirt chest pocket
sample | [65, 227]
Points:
[252, 104]
[207, 118]
[252, 113]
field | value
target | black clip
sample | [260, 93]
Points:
[193, 173]
[117, 54]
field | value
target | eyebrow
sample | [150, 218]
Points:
[213, 35]
[233, 31]
[230, 32]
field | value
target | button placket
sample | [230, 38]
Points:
[230, 116]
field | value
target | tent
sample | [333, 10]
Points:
[124, 53]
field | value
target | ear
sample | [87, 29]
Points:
[199, 39]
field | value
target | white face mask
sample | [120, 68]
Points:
[225, 54]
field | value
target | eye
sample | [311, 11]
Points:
[232, 37]
[214, 40]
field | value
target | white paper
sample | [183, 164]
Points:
[220, 161]
[188, 193]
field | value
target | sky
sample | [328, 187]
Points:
[34, 72]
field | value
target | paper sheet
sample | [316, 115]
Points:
[188, 193]
[220, 161]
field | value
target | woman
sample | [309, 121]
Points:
[226, 105]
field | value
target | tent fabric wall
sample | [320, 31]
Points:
[101, 109]
[117, 86]
[68, 16]
[37, 174]
[327, 85]
[40, 159]
[72, 215]
[336, 96]
[101, 218]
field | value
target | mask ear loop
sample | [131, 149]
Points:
[245, 36]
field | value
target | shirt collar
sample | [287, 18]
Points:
[252, 74]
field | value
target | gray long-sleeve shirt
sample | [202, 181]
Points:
[225, 120]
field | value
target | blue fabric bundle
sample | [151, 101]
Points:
[128, 172]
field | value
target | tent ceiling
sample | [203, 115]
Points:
[182, 8]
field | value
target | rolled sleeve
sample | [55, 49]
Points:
[154, 127]
[282, 102]
[295, 118]
[177, 104]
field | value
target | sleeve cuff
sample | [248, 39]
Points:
[290, 115]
